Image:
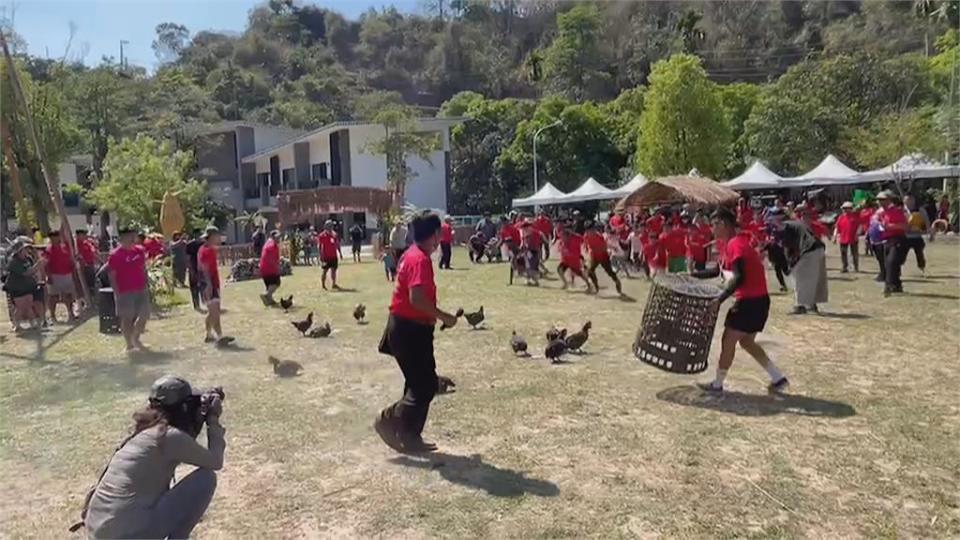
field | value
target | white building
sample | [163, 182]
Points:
[340, 154]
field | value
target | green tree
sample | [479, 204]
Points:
[790, 133]
[401, 139]
[137, 174]
[575, 64]
[738, 100]
[170, 41]
[683, 124]
[891, 136]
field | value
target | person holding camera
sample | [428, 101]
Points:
[133, 497]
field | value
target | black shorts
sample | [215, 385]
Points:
[356, 246]
[330, 264]
[271, 280]
[748, 315]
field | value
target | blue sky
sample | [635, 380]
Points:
[101, 24]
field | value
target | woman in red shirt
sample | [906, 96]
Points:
[599, 256]
[673, 248]
[846, 233]
[893, 221]
[747, 283]
[408, 337]
[699, 236]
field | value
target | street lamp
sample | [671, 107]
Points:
[536, 185]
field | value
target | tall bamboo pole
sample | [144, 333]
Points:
[53, 184]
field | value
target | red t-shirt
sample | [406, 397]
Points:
[744, 216]
[655, 224]
[616, 221]
[674, 243]
[88, 252]
[697, 239]
[329, 244]
[542, 224]
[651, 253]
[533, 239]
[509, 232]
[446, 233]
[894, 221]
[154, 247]
[207, 260]
[847, 225]
[597, 245]
[415, 270]
[570, 250]
[754, 277]
[59, 261]
[129, 267]
[270, 259]
[865, 216]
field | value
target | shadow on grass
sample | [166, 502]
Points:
[857, 316]
[472, 472]
[149, 356]
[839, 278]
[234, 347]
[934, 295]
[344, 290]
[742, 404]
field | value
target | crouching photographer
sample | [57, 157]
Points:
[133, 497]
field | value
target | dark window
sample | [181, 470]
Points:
[263, 184]
[289, 179]
[71, 199]
[319, 171]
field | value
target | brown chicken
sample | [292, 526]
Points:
[359, 313]
[577, 340]
[285, 368]
[304, 325]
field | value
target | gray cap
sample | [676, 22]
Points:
[170, 390]
[885, 194]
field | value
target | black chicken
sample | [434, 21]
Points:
[518, 344]
[475, 318]
[576, 340]
[445, 385]
[555, 350]
[457, 315]
[321, 331]
[304, 325]
[285, 368]
[359, 313]
[286, 303]
[556, 333]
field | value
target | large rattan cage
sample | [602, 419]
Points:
[678, 324]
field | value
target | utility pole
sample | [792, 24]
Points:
[53, 184]
[123, 64]
[536, 184]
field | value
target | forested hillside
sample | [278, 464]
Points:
[783, 81]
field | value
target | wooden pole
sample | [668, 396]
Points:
[7, 142]
[53, 184]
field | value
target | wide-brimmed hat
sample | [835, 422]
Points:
[847, 204]
[884, 195]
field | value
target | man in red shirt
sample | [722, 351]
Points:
[655, 223]
[699, 236]
[209, 266]
[747, 283]
[893, 222]
[127, 269]
[408, 337]
[270, 267]
[673, 248]
[90, 262]
[571, 246]
[59, 270]
[846, 233]
[543, 224]
[153, 246]
[446, 242]
[531, 247]
[599, 256]
[329, 244]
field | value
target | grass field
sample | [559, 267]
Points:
[867, 446]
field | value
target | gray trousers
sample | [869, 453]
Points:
[180, 509]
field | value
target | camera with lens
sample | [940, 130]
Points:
[206, 398]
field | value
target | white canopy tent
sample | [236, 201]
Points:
[756, 177]
[591, 190]
[546, 195]
[910, 166]
[830, 172]
[634, 184]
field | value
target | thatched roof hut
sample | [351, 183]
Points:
[697, 190]
[306, 204]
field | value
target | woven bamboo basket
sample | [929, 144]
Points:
[678, 324]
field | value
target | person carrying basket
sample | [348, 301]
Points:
[746, 281]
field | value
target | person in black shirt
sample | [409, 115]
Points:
[193, 247]
[356, 239]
